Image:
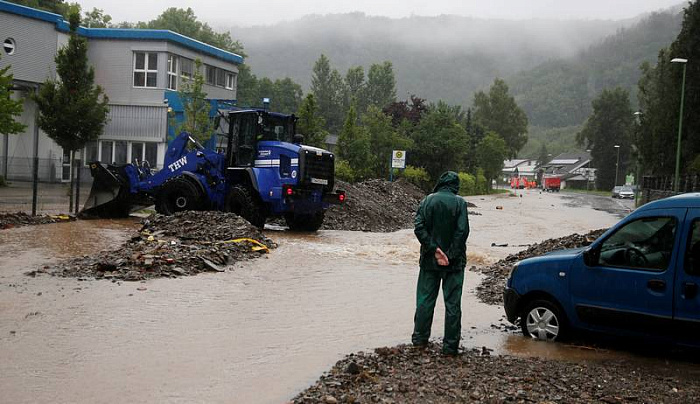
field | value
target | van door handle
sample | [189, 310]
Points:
[690, 290]
[656, 285]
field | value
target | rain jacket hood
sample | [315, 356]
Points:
[449, 181]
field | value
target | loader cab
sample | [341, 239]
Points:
[248, 127]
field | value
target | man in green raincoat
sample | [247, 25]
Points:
[442, 227]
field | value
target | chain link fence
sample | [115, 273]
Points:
[16, 195]
[659, 187]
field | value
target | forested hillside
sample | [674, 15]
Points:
[557, 95]
[446, 57]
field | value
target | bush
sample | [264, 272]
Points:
[416, 176]
[3, 183]
[482, 185]
[467, 184]
[343, 171]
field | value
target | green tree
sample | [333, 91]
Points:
[288, 96]
[610, 124]
[310, 124]
[492, 150]
[543, 156]
[355, 89]
[354, 146]
[196, 107]
[440, 142]
[54, 6]
[383, 139]
[9, 108]
[659, 99]
[381, 85]
[498, 112]
[327, 87]
[97, 19]
[72, 109]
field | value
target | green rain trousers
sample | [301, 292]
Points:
[426, 296]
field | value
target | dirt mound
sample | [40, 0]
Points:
[186, 243]
[407, 375]
[491, 289]
[10, 220]
[375, 206]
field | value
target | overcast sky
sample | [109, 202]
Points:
[227, 13]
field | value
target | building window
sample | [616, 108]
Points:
[220, 77]
[151, 154]
[91, 152]
[120, 148]
[230, 81]
[136, 153]
[172, 72]
[186, 68]
[211, 75]
[9, 46]
[106, 155]
[145, 69]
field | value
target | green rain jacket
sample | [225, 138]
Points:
[441, 221]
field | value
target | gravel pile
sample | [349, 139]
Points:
[491, 289]
[10, 220]
[407, 375]
[186, 243]
[375, 206]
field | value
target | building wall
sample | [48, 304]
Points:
[113, 61]
[36, 44]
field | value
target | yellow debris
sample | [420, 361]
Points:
[257, 246]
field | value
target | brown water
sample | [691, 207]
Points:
[256, 334]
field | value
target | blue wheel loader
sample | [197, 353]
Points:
[262, 170]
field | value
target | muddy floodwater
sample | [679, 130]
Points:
[258, 333]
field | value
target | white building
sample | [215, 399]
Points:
[139, 70]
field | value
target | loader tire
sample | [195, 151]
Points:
[243, 203]
[307, 222]
[177, 195]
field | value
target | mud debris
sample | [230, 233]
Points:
[404, 374]
[186, 243]
[490, 291]
[10, 220]
[376, 206]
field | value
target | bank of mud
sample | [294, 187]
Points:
[404, 374]
[186, 243]
[11, 220]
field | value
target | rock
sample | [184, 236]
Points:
[353, 368]
[330, 400]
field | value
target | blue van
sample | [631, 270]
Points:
[640, 278]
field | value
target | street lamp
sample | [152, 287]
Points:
[617, 164]
[638, 115]
[680, 124]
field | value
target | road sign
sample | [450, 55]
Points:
[398, 159]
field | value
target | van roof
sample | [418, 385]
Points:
[689, 200]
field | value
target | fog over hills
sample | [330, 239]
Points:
[446, 57]
[554, 68]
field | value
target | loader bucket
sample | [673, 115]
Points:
[109, 196]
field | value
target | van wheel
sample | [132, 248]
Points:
[543, 320]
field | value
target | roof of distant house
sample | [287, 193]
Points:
[122, 33]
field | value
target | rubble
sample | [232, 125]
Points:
[490, 290]
[10, 220]
[186, 243]
[376, 206]
[404, 374]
